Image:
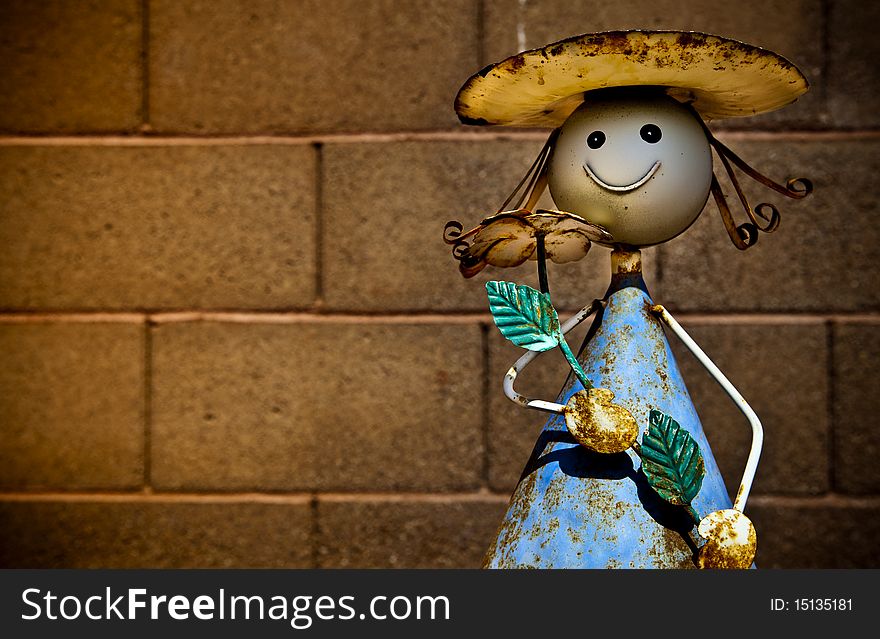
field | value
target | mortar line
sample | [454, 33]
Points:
[145, 65]
[825, 69]
[831, 412]
[398, 317]
[122, 317]
[293, 497]
[481, 34]
[319, 223]
[192, 139]
[463, 135]
[828, 499]
[521, 40]
[148, 405]
[481, 495]
[485, 413]
[659, 259]
[315, 530]
[429, 317]
[306, 498]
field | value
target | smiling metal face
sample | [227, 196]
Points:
[637, 164]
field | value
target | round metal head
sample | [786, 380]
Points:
[635, 162]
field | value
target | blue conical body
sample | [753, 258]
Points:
[577, 509]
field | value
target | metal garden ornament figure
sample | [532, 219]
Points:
[622, 474]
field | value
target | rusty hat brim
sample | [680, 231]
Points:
[719, 77]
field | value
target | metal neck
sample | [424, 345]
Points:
[625, 262]
[626, 270]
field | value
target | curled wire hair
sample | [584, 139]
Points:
[764, 217]
[527, 193]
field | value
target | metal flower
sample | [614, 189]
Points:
[731, 540]
[509, 238]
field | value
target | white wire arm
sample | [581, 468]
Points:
[757, 431]
[525, 360]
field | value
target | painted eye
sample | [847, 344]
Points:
[595, 139]
[651, 133]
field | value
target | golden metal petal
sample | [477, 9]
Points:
[504, 229]
[567, 246]
[508, 252]
[570, 221]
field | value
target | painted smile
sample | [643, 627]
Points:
[622, 189]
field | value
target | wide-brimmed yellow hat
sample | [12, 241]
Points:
[719, 77]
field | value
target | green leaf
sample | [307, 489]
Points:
[671, 460]
[523, 315]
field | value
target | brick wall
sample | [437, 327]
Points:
[231, 335]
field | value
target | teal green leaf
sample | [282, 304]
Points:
[671, 460]
[523, 315]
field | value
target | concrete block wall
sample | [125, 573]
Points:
[232, 336]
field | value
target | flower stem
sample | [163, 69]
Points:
[572, 361]
[542, 263]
